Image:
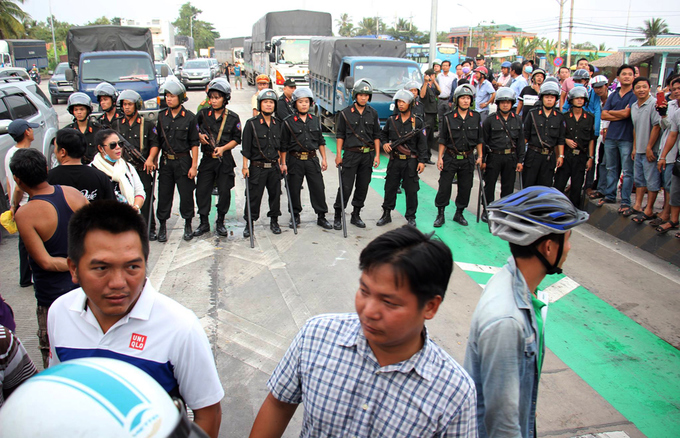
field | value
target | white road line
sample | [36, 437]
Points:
[560, 288]
[617, 434]
[472, 267]
[160, 270]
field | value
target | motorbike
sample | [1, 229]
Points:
[35, 76]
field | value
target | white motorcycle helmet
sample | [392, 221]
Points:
[94, 397]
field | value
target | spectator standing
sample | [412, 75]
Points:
[437, 67]
[484, 92]
[43, 224]
[619, 142]
[262, 82]
[671, 146]
[481, 62]
[527, 69]
[528, 97]
[15, 365]
[504, 79]
[445, 80]
[667, 112]
[563, 74]
[599, 86]
[568, 83]
[518, 82]
[238, 83]
[428, 95]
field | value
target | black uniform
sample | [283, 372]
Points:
[357, 153]
[403, 164]
[301, 140]
[430, 116]
[215, 170]
[261, 145]
[582, 131]
[143, 136]
[504, 148]
[284, 108]
[106, 123]
[540, 160]
[182, 134]
[461, 137]
[90, 132]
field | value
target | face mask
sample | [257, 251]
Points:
[528, 69]
[109, 159]
[466, 70]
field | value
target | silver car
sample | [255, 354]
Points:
[196, 73]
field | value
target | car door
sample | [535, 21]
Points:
[21, 107]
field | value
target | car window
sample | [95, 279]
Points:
[38, 92]
[4, 112]
[20, 107]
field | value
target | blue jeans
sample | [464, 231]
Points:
[614, 151]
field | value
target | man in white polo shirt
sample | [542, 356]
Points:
[445, 79]
[117, 313]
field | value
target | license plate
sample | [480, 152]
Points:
[67, 89]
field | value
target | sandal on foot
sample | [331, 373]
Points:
[642, 218]
[658, 221]
[663, 230]
[596, 195]
[627, 210]
[603, 201]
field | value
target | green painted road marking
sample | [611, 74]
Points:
[634, 370]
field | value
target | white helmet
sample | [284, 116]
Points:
[93, 397]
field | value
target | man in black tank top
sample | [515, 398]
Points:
[43, 224]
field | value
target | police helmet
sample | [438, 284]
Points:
[549, 88]
[552, 79]
[106, 89]
[404, 95]
[463, 90]
[538, 71]
[505, 93]
[95, 396]
[266, 94]
[221, 85]
[301, 93]
[581, 74]
[413, 85]
[362, 86]
[176, 88]
[79, 98]
[599, 81]
[130, 96]
[578, 91]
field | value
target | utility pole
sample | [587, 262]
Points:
[433, 32]
[191, 25]
[559, 27]
[54, 42]
[625, 36]
[571, 28]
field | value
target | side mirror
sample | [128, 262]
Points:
[349, 82]
[70, 75]
[169, 50]
[164, 71]
[272, 57]
[50, 72]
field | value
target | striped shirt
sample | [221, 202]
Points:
[15, 365]
[332, 371]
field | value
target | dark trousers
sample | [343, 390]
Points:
[539, 169]
[430, 122]
[310, 169]
[258, 180]
[464, 171]
[174, 173]
[406, 171]
[574, 167]
[147, 182]
[25, 274]
[212, 171]
[590, 175]
[503, 165]
[359, 166]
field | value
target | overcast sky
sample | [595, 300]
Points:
[596, 21]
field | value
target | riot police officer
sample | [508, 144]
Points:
[143, 136]
[301, 140]
[544, 132]
[404, 139]
[504, 141]
[107, 96]
[580, 137]
[459, 136]
[261, 146]
[219, 133]
[417, 109]
[80, 107]
[358, 151]
[286, 106]
[178, 138]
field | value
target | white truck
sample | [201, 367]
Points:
[229, 50]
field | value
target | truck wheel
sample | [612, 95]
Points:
[54, 99]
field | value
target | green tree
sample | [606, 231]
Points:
[116, 21]
[526, 47]
[367, 26]
[651, 30]
[549, 47]
[99, 22]
[345, 26]
[204, 33]
[11, 19]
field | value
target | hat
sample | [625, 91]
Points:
[17, 128]
[482, 70]
[289, 83]
[479, 56]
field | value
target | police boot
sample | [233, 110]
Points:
[188, 232]
[337, 220]
[203, 227]
[439, 221]
[323, 223]
[152, 234]
[458, 217]
[162, 232]
[485, 217]
[411, 221]
[274, 226]
[219, 226]
[385, 219]
[297, 221]
[246, 231]
[356, 219]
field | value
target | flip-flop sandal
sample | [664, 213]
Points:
[603, 201]
[596, 195]
[628, 211]
[658, 221]
[642, 218]
[663, 230]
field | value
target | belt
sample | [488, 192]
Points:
[304, 155]
[542, 151]
[399, 156]
[502, 151]
[263, 164]
[574, 151]
[175, 156]
[458, 156]
[360, 149]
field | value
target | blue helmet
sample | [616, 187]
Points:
[506, 64]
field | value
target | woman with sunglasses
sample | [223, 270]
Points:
[127, 185]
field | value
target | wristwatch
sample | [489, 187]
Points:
[592, 157]
[561, 156]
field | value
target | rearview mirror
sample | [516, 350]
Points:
[164, 71]
[70, 75]
[272, 57]
[349, 82]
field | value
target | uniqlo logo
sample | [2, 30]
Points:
[137, 341]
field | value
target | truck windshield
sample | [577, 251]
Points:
[117, 69]
[293, 52]
[387, 77]
[158, 52]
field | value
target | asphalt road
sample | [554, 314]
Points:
[613, 331]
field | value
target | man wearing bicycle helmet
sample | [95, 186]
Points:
[506, 346]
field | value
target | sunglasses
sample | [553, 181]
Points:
[113, 144]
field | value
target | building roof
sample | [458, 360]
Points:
[616, 59]
[668, 41]
[502, 29]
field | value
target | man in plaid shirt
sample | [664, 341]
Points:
[376, 372]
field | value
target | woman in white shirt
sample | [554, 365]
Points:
[127, 185]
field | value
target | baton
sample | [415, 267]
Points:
[342, 203]
[521, 185]
[482, 195]
[153, 191]
[250, 217]
[290, 203]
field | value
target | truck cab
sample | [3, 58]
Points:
[289, 59]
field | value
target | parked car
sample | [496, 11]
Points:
[59, 87]
[23, 99]
[215, 65]
[159, 76]
[196, 73]
[7, 72]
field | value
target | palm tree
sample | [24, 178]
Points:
[367, 26]
[526, 47]
[550, 49]
[651, 30]
[602, 47]
[345, 26]
[11, 19]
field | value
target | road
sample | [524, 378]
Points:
[613, 333]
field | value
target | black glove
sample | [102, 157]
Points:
[662, 110]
